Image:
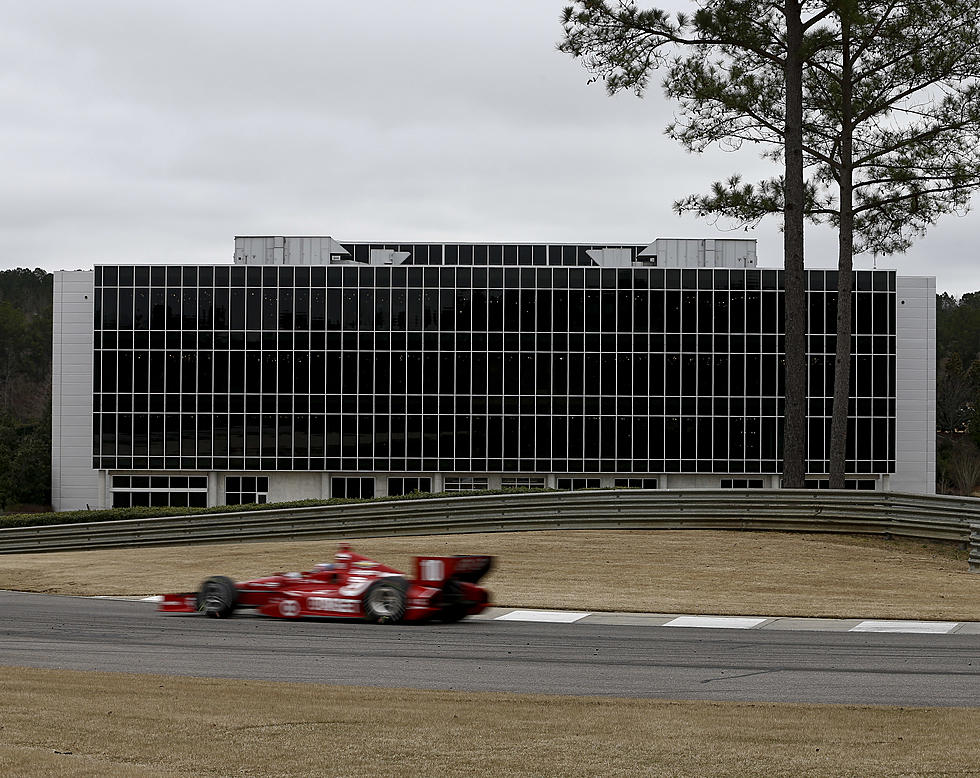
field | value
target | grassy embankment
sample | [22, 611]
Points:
[153, 726]
[703, 571]
[94, 724]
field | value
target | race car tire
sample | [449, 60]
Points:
[217, 597]
[385, 601]
[454, 608]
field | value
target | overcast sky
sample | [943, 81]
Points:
[156, 132]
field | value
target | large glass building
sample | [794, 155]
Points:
[311, 367]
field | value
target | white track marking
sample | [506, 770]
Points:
[709, 622]
[555, 617]
[715, 622]
[920, 627]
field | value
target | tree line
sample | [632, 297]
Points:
[958, 393]
[25, 387]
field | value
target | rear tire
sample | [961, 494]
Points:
[385, 601]
[218, 597]
[453, 607]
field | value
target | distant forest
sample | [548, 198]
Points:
[958, 393]
[25, 390]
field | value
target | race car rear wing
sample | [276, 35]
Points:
[436, 570]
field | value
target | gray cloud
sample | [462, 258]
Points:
[151, 131]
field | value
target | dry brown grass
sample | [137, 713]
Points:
[97, 724]
[658, 571]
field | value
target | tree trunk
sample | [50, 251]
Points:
[845, 263]
[794, 293]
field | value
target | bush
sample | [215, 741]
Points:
[957, 465]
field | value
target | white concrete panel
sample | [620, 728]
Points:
[74, 484]
[286, 487]
[915, 386]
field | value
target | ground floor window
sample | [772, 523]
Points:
[177, 491]
[635, 483]
[742, 483]
[862, 484]
[246, 490]
[579, 483]
[409, 485]
[352, 486]
[522, 483]
[465, 484]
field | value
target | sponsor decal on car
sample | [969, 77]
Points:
[335, 604]
[364, 563]
[289, 607]
[353, 589]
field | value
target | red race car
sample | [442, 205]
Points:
[443, 588]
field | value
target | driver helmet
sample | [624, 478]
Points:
[324, 566]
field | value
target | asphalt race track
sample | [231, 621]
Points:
[583, 659]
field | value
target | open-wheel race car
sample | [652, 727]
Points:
[443, 588]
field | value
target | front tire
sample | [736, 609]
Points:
[385, 601]
[218, 597]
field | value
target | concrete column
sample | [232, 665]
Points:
[213, 493]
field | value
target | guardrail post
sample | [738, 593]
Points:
[975, 548]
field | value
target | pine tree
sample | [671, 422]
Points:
[890, 127]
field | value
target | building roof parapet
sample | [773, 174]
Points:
[663, 252]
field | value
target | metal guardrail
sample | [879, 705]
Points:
[882, 513]
[975, 548]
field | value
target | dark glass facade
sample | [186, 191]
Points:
[462, 368]
[560, 254]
